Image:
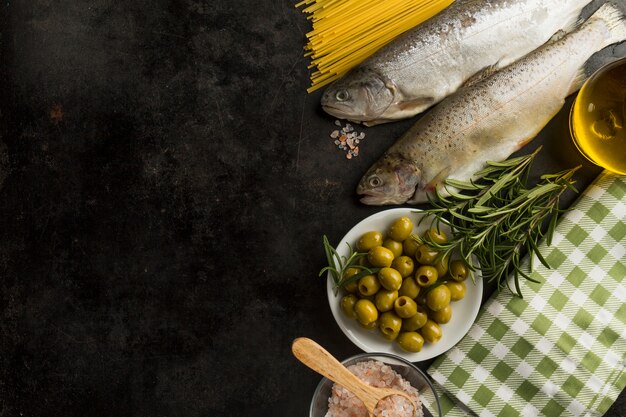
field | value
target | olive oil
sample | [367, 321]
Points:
[598, 118]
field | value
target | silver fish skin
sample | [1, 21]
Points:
[432, 60]
[489, 120]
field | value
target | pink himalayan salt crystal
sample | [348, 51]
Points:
[342, 403]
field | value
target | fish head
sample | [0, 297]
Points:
[391, 180]
[360, 96]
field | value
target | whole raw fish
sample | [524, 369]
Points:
[434, 59]
[490, 119]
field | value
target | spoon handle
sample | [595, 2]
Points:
[318, 359]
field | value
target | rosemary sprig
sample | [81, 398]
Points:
[498, 217]
[338, 264]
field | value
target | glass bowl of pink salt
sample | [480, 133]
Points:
[380, 370]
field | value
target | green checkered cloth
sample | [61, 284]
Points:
[561, 350]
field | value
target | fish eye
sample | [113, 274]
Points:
[342, 95]
[375, 181]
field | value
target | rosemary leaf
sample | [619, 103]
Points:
[455, 194]
[337, 265]
[464, 185]
[498, 216]
[551, 227]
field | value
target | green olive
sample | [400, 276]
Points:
[437, 235]
[438, 298]
[404, 265]
[352, 287]
[421, 298]
[442, 316]
[384, 300]
[390, 279]
[369, 326]
[410, 341]
[415, 322]
[409, 288]
[457, 290]
[401, 229]
[405, 307]
[394, 246]
[442, 265]
[431, 332]
[364, 262]
[348, 273]
[347, 305]
[365, 311]
[409, 246]
[372, 298]
[426, 255]
[389, 325]
[458, 270]
[368, 285]
[380, 257]
[369, 240]
[426, 275]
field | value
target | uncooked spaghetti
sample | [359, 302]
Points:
[345, 32]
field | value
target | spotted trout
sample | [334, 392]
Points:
[432, 60]
[489, 120]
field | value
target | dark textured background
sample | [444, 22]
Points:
[165, 182]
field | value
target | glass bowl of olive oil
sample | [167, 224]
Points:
[598, 117]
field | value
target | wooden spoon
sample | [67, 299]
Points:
[318, 359]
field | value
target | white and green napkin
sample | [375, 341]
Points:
[561, 350]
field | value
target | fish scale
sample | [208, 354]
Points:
[490, 119]
[434, 59]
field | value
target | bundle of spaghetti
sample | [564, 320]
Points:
[346, 32]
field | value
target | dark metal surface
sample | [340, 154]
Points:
[165, 183]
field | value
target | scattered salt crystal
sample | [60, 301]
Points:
[347, 139]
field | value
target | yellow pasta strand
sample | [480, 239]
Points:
[346, 32]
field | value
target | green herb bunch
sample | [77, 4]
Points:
[339, 264]
[498, 217]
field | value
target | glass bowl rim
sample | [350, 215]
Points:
[383, 354]
[607, 66]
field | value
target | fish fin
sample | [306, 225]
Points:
[438, 181]
[371, 123]
[403, 109]
[376, 122]
[417, 103]
[570, 27]
[419, 197]
[614, 19]
[558, 35]
[481, 75]
[570, 24]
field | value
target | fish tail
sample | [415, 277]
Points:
[615, 20]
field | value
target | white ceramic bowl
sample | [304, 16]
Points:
[464, 311]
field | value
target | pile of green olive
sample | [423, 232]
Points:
[409, 296]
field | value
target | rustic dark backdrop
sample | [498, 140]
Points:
[165, 181]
